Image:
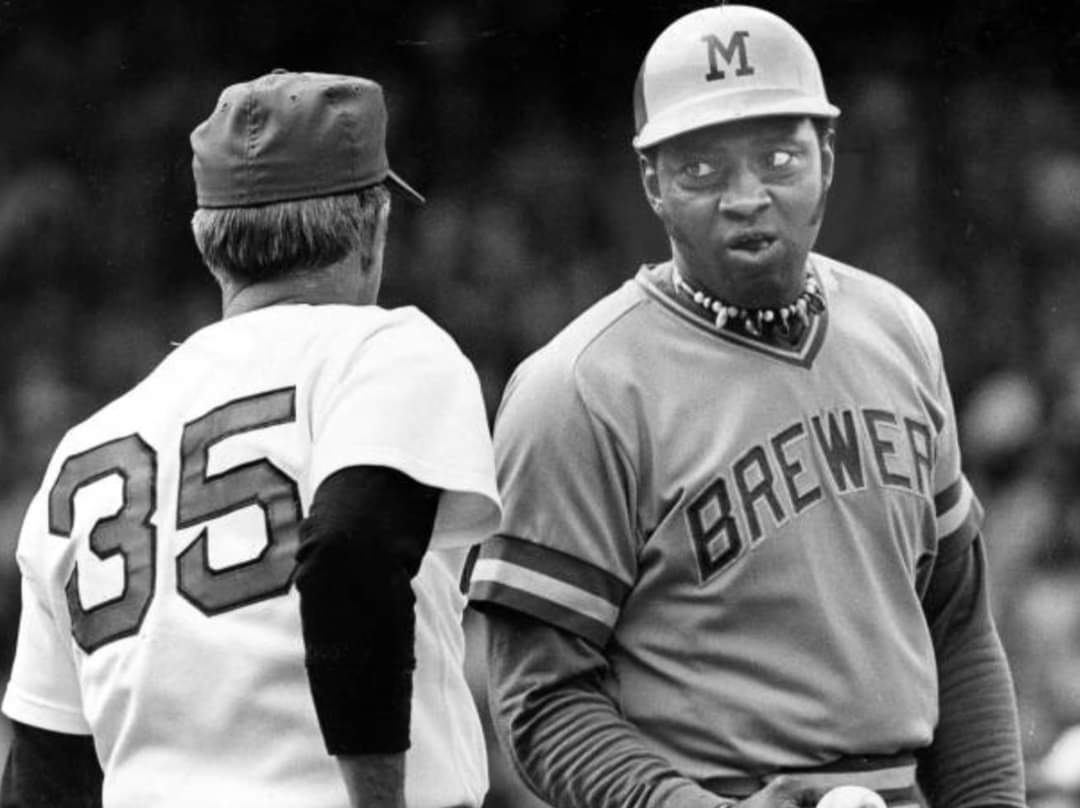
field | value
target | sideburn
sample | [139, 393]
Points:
[818, 214]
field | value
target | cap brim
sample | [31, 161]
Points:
[404, 187]
[725, 107]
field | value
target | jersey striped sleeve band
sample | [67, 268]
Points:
[549, 585]
[959, 514]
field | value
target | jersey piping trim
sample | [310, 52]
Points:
[949, 518]
[937, 417]
[578, 357]
[542, 609]
[802, 355]
[490, 569]
[964, 534]
[959, 521]
[548, 584]
[558, 565]
[946, 499]
[627, 308]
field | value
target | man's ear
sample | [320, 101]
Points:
[828, 158]
[650, 181]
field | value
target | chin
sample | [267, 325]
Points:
[756, 285]
[767, 295]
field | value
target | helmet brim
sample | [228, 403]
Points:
[726, 107]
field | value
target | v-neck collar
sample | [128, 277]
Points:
[801, 353]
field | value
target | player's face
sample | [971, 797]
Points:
[742, 204]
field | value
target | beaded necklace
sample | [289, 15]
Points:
[756, 321]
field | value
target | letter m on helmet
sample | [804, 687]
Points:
[735, 46]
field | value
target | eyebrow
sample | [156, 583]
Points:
[773, 131]
[780, 131]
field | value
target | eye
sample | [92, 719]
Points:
[699, 169]
[780, 158]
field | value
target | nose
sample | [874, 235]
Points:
[744, 196]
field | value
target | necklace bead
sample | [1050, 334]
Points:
[755, 321]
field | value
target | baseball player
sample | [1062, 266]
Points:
[165, 656]
[739, 560]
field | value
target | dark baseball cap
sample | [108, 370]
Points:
[287, 136]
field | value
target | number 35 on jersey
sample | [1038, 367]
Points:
[129, 533]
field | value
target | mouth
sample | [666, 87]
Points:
[751, 242]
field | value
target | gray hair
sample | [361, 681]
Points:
[263, 242]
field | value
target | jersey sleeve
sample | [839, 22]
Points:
[957, 509]
[405, 397]
[566, 552]
[44, 689]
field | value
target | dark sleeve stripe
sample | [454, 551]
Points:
[487, 591]
[946, 499]
[960, 522]
[958, 541]
[556, 564]
[966, 503]
[546, 588]
[965, 533]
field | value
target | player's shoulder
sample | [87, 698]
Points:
[112, 421]
[401, 342]
[290, 322]
[376, 318]
[403, 329]
[890, 306]
[332, 335]
[873, 290]
[338, 341]
[413, 325]
[590, 336]
[550, 383]
[324, 330]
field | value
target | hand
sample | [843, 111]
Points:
[784, 791]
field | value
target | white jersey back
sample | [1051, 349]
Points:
[158, 611]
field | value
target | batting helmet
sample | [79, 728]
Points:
[725, 63]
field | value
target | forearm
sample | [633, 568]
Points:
[563, 734]
[975, 758]
[361, 545]
[575, 748]
[374, 781]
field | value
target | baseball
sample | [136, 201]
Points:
[851, 797]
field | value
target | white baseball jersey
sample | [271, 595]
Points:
[157, 559]
[745, 529]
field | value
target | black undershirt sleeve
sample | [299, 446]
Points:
[360, 546]
[975, 758]
[562, 732]
[46, 769]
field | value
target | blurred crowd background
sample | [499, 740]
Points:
[958, 178]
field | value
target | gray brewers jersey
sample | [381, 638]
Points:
[745, 529]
